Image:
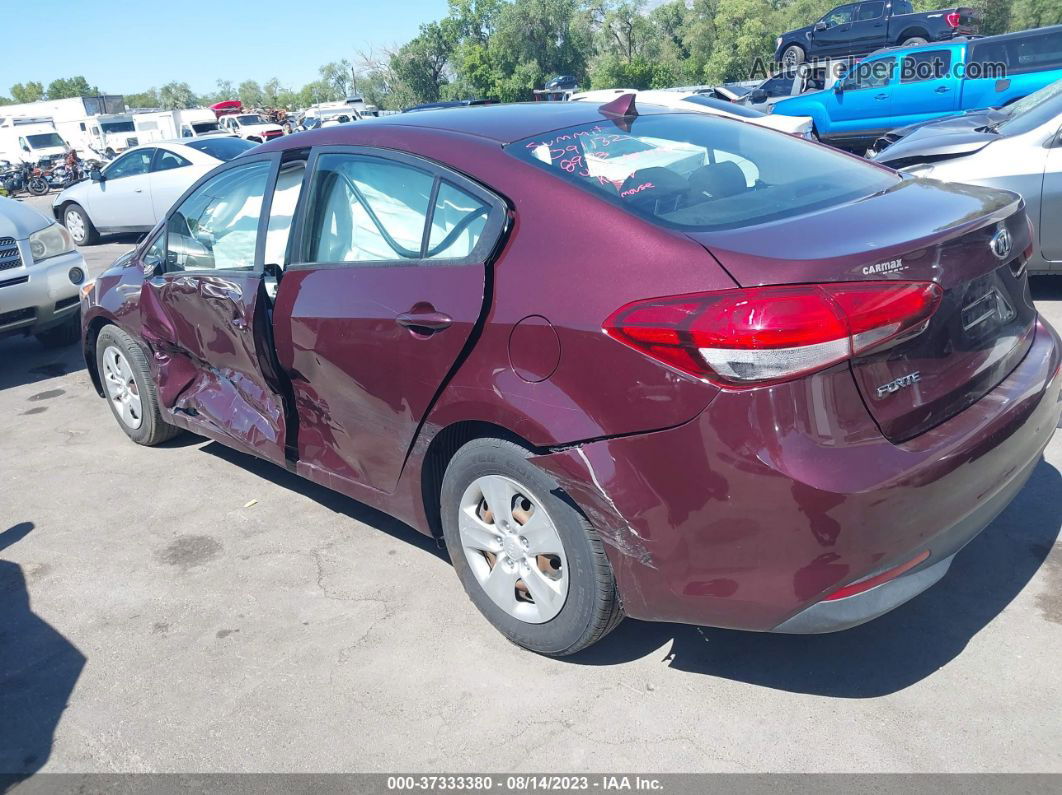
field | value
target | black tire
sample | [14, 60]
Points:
[91, 236]
[591, 609]
[38, 186]
[793, 55]
[66, 333]
[914, 41]
[153, 430]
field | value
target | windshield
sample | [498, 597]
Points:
[702, 172]
[1032, 111]
[220, 148]
[205, 126]
[249, 118]
[42, 140]
[117, 126]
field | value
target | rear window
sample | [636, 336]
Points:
[702, 172]
[220, 148]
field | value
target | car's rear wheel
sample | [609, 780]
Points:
[914, 41]
[79, 225]
[793, 55]
[130, 392]
[528, 559]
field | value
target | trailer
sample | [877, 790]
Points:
[162, 125]
[30, 140]
[96, 126]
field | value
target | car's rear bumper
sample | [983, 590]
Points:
[754, 513]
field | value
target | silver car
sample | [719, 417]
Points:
[1018, 147]
[41, 276]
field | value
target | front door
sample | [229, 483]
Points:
[1051, 204]
[123, 198]
[927, 88]
[377, 305]
[836, 38]
[864, 103]
[205, 312]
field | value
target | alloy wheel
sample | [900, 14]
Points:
[122, 390]
[75, 225]
[513, 548]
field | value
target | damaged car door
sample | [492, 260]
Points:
[205, 311]
[378, 305]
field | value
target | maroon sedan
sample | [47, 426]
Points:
[624, 361]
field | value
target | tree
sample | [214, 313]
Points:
[225, 91]
[144, 99]
[27, 92]
[271, 93]
[250, 94]
[338, 77]
[1034, 13]
[64, 87]
[420, 65]
[174, 96]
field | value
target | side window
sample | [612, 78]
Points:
[457, 223]
[868, 11]
[217, 226]
[186, 131]
[130, 164]
[839, 16]
[282, 212]
[928, 65]
[780, 86]
[901, 7]
[165, 160]
[870, 74]
[1042, 50]
[367, 209]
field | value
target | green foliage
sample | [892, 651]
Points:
[64, 87]
[506, 48]
[27, 92]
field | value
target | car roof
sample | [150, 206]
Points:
[501, 123]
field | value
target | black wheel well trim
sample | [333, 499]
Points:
[914, 31]
[92, 333]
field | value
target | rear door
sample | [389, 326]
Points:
[123, 198]
[205, 311]
[378, 302]
[868, 26]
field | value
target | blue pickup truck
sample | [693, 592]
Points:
[905, 85]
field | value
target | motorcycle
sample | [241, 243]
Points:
[24, 177]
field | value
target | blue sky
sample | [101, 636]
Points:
[130, 46]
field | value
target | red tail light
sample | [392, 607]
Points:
[762, 334]
[953, 19]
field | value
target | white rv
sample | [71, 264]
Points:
[168, 125]
[95, 126]
[30, 140]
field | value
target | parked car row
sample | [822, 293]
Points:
[764, 351]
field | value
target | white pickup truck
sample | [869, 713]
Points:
[251, 127]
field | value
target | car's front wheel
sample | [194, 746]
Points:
[526, 556]
[79, 225]
[129, 389]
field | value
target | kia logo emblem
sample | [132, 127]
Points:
[1000, 243]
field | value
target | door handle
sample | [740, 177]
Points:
[943, 89]
[138, 190]
[880, 97]
[424, 319]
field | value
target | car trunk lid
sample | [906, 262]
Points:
[917, 231]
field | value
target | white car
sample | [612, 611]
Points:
[40, 276]
[801, 126]
[250, 127]
[134, 191]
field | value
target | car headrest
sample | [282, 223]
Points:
[648, 187]
[719, 180]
